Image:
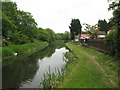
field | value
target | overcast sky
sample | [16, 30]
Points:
[57, 14]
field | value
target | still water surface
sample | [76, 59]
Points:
[28, 72]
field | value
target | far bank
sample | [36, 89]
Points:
[25, 49]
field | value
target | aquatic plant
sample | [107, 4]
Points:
[52, 79]
[70, 58]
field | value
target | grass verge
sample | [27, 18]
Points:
[23, 49]
[92, 70]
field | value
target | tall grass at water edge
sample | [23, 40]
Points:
[53, 79]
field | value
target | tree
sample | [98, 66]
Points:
[51, 35]
[8, 23]
[103, 25]
[66, 36]
[75, 28]
[59, 36]
[45, 35]
[26, 24]
[16, 23]
[111, 42]
[115, 6]
[92, 30]
[110, 24]
[42, 35]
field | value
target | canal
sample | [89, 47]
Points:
[28, 72]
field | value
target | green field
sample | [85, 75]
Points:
[93, 69]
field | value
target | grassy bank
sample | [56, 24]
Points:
[23, 49]
[57, 43]
[93, 69]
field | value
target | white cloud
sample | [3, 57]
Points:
[57, 14]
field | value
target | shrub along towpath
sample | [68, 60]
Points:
[92, 70]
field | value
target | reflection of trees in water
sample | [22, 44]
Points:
[47, 52]
[21, 70]
[18, 72]
[62, 45]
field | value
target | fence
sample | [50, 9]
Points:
[99, 44]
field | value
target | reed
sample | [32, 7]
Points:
[53, 79]
[70, 58]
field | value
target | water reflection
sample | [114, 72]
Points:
[26, 72]
[19, 71]
[47, 52]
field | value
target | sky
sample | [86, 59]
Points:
[57, 14]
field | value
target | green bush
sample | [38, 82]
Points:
[111, 42]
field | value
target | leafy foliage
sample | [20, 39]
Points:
[63, 36]
[75, 28]
[103, 25]
[19, 27]
[17, 24]
[92, 30]
[115, 6]
[111, 42]
[66, 36]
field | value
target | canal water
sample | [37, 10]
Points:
[28, 72]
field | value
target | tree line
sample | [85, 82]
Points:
[102, 25]
[112, 40]
[19, 27]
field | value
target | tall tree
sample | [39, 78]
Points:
[75, 28]
[115, 6]
[110, 24]
[17, 23]
[8, 22]
[26, 24]
[103, 25]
